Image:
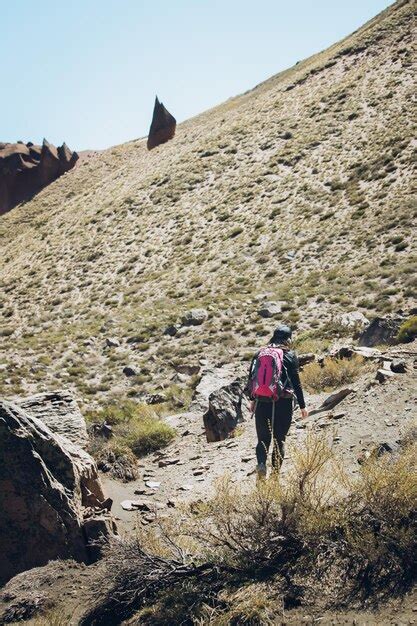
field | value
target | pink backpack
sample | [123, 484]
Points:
[265, 374]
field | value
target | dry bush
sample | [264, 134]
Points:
[136, 431]
[332, 373]
[313, 527]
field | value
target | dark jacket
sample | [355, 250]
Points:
[292, 371]
[290, 376]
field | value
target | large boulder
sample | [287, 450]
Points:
[163, 126]
[225, 411]
[25, 169]
[60, 412]
[51, 499]
[382, 330]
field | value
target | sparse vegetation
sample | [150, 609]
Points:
[408, 330]
[332, 373]
[315, 527]
[136, 431]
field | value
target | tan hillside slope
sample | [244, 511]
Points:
[298, 191]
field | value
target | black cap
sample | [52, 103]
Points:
[281, 334]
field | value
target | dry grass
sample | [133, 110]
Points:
[136, 431]
[314, 529]
[332, 373]
[408, 330]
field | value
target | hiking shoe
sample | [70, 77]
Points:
[261, 471]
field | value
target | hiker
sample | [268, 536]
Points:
[273, 384]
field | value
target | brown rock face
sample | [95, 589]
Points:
[25, 169]
[162, 127]
[51, 499]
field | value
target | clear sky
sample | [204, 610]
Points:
[87, 71]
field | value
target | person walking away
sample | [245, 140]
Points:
[273, 384]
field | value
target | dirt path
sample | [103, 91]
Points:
[374, 413]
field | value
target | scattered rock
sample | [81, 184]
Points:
[112, 342]
[377, 450]
[398, 366]
[101, 430]
[171, 330]
[185, 487]
[368, 353]
[382, 330]
[195, 317]
[331, 401]
[163, 126]
[130, 370]
[154, 398]
[384, 374]
[355, 320]
[166, 462]
[270, 309]
[153, 484]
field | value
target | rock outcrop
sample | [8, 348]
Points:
[51, 501]
[382, 330]
[162, 127]
[225, 412]
[60, 412]
[25, 169]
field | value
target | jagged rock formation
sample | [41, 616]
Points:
[162, 127]
[51, 500]
[25, 169]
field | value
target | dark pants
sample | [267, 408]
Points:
[282, 423]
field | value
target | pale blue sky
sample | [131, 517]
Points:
[87, 71]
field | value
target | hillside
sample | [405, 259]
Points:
[297, 192]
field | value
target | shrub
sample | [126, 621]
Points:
[332, 373]
[137, 429]
[285, 539]
[408, 330]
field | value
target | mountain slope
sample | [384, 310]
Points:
[297, 191]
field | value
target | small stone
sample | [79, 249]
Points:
[152, 484]
[398, 366]
[382, 375]
[165, 462]
[127, 505]
[171, 330]
[130, 370]
[185, 487]
[112, 342]
[270, 309]
[194, 317]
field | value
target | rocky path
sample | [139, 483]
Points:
[374, 413]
